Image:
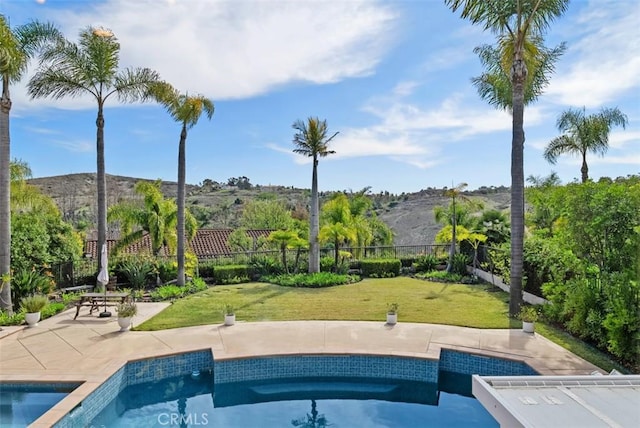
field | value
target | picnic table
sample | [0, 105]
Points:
[95, 300]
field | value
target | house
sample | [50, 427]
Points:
[207, 243]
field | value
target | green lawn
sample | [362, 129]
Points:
[420, 301]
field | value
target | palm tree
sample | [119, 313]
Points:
[311, 140]
[518, 24]
[17, 47]
[452, 217]
[91, 68]
[338, 224]
[584, 134]
[156, 216]
[285, 239]
[185, 110]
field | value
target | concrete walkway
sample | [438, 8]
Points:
[62, 346]
[90, 349]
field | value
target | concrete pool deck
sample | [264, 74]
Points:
[89, 349]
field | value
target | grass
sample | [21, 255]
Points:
[419, 301]
[579, 347]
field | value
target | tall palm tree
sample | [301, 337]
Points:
[186, 110]
[516, 23]
[584, 134]
[91, 68]
[17, 47]
[311, 140]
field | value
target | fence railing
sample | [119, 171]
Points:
[67, 274]
[356, 253]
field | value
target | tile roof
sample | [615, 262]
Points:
[206, 243]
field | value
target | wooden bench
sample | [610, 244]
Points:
[95, 300]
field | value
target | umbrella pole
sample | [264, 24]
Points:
[105, 313]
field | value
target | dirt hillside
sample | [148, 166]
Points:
[409, 215]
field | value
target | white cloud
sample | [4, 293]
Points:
[605, 56]
[42, 131]
[619, 139]
[416, 135]
[628, 159]
[78, 146]
[239, 49]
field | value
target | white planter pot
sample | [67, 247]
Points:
[124, 323]
[392, 319]
[230, 319]
[32, 318]
[527, 327]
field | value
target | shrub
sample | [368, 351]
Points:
[27, 282]
[167, 292]
[622, 321]
[195, 285]
[51, 309]
[441, 276]
[426, 263]
[392, 308]
[167, 270]
[137, 270]
[380, 268]
[460, 262]
[16, 319]
[528, 314]
[312, 280]
[230, 273]
[229, 309]
[266, 266]
[34, 303]
[127, 309]
[206, 268]
[407, 261]
[69, 299]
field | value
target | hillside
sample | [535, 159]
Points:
[216, 205]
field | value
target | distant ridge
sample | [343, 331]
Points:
[409, 215]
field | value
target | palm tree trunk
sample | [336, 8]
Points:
[101, 179]
[452, 248]
[519, 73]
[5, 198]
[314, 224]
[584, 169]
[181, 202]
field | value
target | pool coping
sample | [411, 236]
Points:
[262, 339]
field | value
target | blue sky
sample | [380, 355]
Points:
[393, 77]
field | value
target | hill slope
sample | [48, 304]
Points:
[410, 215]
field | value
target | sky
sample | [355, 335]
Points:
[392, 77]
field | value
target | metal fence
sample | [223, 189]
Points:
[356, 253]
[69, 274]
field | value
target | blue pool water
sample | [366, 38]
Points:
[21, 404]
[188, 401]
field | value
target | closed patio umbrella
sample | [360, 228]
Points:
[103, 278]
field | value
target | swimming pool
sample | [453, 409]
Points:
[371, 384]
[310, 402]
[23, 403]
